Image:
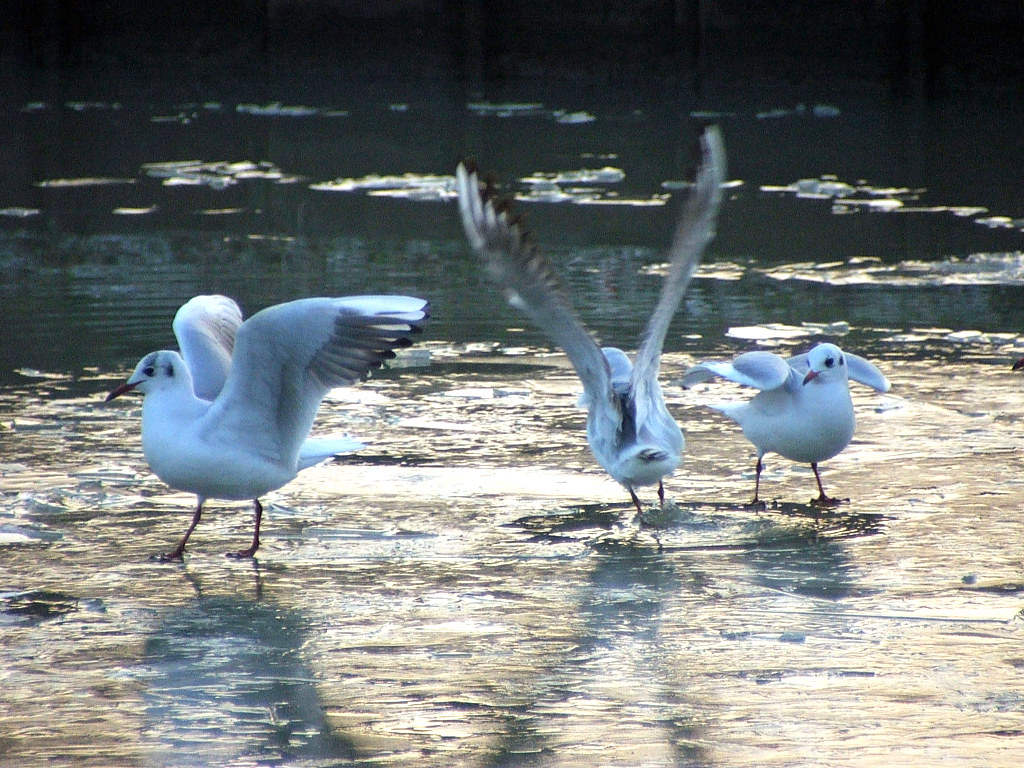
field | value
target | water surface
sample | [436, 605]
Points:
[472, 589]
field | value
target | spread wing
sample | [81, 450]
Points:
[530, 284]
[287, 357]
[799, 363]
[694, 231]
[205, 327]
[866, 373]
[761, 370]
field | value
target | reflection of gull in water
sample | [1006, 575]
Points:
[252, 437]
[225, 684]
[803, 411]
[630, 431]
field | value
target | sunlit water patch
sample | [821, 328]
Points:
[977, 269]
[580, 187]
[820, 110]
[408, 186]
[78, 183]
[848, 198]
[530, 109]
[93, 106]
[279, 109]
[19, 213]
[216, 175]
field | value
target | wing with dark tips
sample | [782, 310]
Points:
[695, 229]
[530, 284]
[287, 357]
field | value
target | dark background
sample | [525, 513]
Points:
[917, 48]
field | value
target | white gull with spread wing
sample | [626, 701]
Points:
[803, 411]
[251, 437]
[629, 429]
[205, 327]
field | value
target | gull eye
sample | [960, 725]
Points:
[149, 370]
[829, 362]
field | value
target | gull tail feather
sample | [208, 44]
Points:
[732, 410]
[318, 449]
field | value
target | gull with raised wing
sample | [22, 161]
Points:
[803, 411]
[205, 327]
[629, 429]
[248, 440]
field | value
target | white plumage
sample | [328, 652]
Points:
[803, 411]
[629, 429]
[251, 437]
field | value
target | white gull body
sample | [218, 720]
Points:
[803, 412]
[249, 439]
[629, 429]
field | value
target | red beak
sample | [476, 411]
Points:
[811, 376]
[118, 391]
[1019, 364]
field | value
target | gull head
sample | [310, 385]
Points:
[826, 362]
[618, 363]
[619, 368]
[157, 370]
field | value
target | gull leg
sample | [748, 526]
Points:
[823, 500]
[636, 503]
[251, 551]
[178, 552]
[756, 502]
[644, 523]
[661, 493]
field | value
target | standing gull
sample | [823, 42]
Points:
[629, 429]
[803, 411]
[248, 440]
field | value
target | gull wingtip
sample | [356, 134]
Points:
[713, 153]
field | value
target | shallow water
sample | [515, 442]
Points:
[472, 589]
